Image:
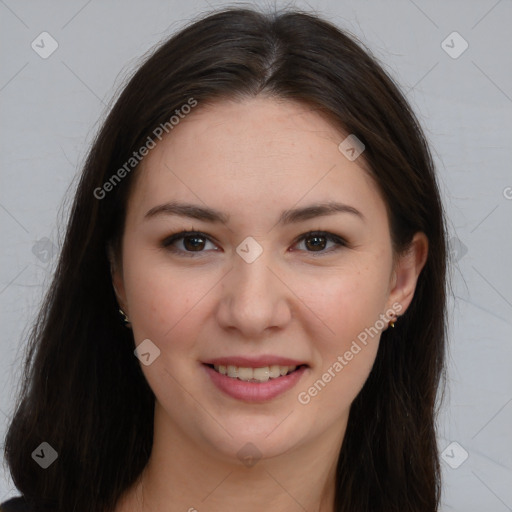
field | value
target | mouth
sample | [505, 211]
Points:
[254, 380]
[256, 375]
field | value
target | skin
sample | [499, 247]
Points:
[252, 159]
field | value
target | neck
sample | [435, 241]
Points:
[182, 476]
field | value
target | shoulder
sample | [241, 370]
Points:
[17, 504]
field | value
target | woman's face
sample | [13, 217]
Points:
[253, 289]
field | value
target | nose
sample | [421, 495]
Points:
[255, 299]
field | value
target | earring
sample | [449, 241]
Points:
[126, 320]
[391, 323]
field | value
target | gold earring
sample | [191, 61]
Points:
[126, 320]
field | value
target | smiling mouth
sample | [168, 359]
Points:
[262, 374]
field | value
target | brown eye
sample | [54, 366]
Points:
[317, 242]
[193, 243]
[186, 242]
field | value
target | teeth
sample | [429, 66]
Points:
[274, 371]
[254, 374]
[244, 373]
[260, 374]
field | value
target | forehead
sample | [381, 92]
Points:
[258, 153]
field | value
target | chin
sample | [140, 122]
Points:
[263, 437]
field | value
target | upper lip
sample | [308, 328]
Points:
[254, 362]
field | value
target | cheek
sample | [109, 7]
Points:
[163, 303]
[346, 300]
[349, 303]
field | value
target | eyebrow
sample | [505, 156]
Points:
[287, 216]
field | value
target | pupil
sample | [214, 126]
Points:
[317, 245]
[193, 246]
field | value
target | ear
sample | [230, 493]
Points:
[116, 272]
[407, 270]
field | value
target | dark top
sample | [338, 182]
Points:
[17, 504]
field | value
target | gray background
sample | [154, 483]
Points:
[52, 107]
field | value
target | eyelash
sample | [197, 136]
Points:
[330, 237]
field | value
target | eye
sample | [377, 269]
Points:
[316, 241]
[195, 242]
[190, 242]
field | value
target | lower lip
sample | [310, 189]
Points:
[254, 391]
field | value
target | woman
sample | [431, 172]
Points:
[249, 307]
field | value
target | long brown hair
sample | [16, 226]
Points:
[83, 390]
